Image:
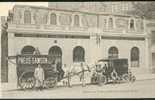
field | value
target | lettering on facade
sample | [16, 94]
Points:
[32, 60]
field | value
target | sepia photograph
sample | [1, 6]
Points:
[63, 50]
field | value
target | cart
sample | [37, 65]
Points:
[116, 71]
[26, 65]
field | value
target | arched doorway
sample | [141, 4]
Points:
[27, 50]
[113, 52]
[56, 54]
[134, 57]
[78, 54]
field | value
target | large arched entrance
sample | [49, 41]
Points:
[56, 54]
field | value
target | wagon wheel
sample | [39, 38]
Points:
[27, 80]
[50, 82]
[101, 80]
[125, 78]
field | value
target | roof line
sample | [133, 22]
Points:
[43, 7]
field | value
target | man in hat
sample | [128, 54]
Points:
[39, 76]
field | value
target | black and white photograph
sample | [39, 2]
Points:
[60, 50]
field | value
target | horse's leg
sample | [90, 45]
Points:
[69, 79]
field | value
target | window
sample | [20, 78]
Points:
[55, 54]
[28, 50]
[132, 24]
[110, 23]
[78, 54]
[134, 57]
[113, 52]
[27, 17]
[53, 19]
[76, 20]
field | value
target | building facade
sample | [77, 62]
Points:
[78, 36]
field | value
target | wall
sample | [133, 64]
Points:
[124, 48]
[41, 16]
[93, 52]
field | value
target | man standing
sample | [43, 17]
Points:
[66, 71]
[60, 70]
[99, 74]
[82, 78]
[39, 76]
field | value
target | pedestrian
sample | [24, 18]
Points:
[106, 71]
[99, 74]
[114, 76]
[70, 73]
[59, 69]
[82, 77]
[66, 71]
[39, 76]
[53, 65]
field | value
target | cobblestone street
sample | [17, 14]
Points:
[139, 89]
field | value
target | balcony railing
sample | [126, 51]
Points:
[69, 28]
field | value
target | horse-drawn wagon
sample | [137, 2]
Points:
[26, 65]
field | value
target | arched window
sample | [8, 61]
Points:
[132, 24]
[56, 54]
[78, 54]
[27, 17]
[110, 23]
[134, 57]
[113, 52]
[28, 50]
[53, 19]
[76, 20]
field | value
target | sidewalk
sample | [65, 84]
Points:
[145, 76]
[76, 80]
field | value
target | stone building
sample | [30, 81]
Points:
[4, 48]
[78, 35]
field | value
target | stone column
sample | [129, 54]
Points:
[80, 21]
[57, 20]
[146, 52]
[12, 73]
[32, 18]
[72, 22]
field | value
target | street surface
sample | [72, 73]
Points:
[138, 89]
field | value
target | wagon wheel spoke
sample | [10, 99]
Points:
[27, 83]
[50, 82]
